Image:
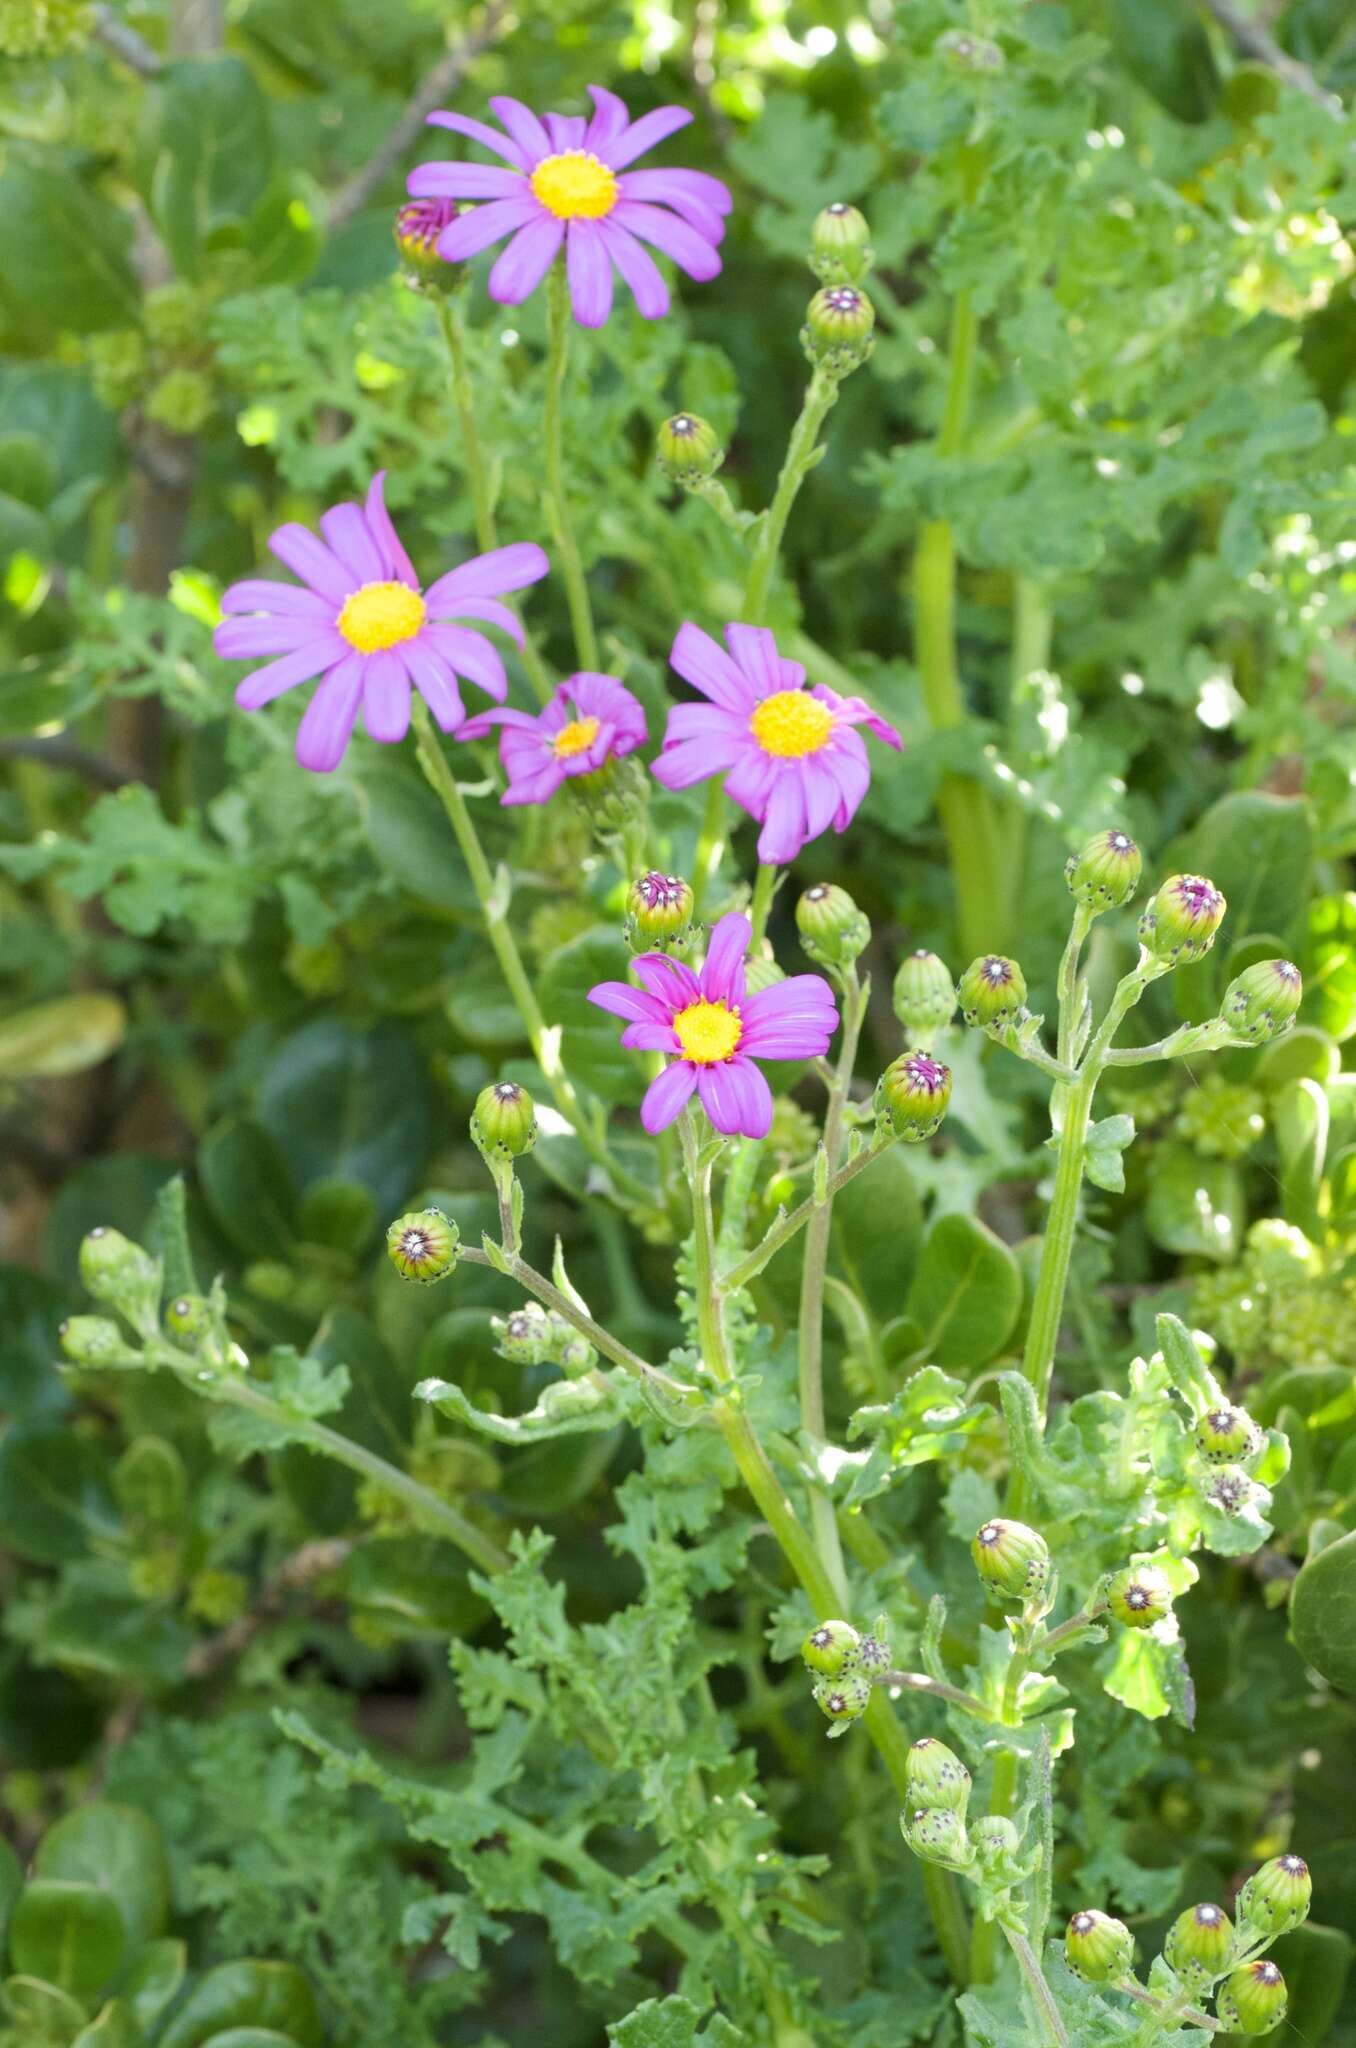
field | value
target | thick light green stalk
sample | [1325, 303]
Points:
[787, 1224]
[764, 889]
[821, 393]
[711, 841]
[1032, 625]
[558, 323]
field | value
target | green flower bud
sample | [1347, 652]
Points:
[94, 1340]
[837, 330]
[832, 929]
[658, 913]
[1253, 2000]
[1105, 872]
[873, 1654]
[189, 1316]
[689, 449]
[1098, 1948]
[1276, 1897]
[1181, 919]
[571, 1397]
[423, 1245]
[843, 1698]
[1011, 1559]
[1227, 1490]
[912, 1095]
[761, 974]
[504, 1122]
[936, 1776]
[1227, 1436]
[965, 52]
[995, 1839]
[181, 400]
[1199, 1944]
[1262, 1002]
[417, 227]
[840, 245]
[992, 991]
[924, 996]
[937, 1834]
[831, 1647]
[527, 1337]
[120, 1273]
[1139, 1595]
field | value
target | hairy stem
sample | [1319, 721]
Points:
[558, 323]
[820, 395]
[787, 1225]
[1029, 1964]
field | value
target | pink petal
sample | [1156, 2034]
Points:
[470, 654]
[293, 600]
[722, 974]
[669, 981]
[749, 782]
[489, 575]
[754, 648]
[679, 767]
[397, 563]
[856, 711]
[298, 550]
[484, 723]
[667, 1096]
[704, 664]
[525, 262]
[687, 192]
[346, 531]
[589, 272]
[265, 684]
[644, 134]
[736, 1098]
[566, 130]
[649, 1037]
[386, 696]
[821, 795]
[689, 250]
[535, 789]
[706, 722]
[327, 724]
[624, 1001]
[451, 180]
[481, 132]
[846, 761]
[436, 684]
[784, 829]
[486, 224]
[245, 639]
[638, 271]
[524, 127]
[609, 119]
[488, 609]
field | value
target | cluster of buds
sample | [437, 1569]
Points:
[423, 1245]
[122, 1276]
[937, 1792]
[832, 929]
[689, 449]
[533, 1335]
[503, 1123]
[1139, 1595]
[924, 996]
[992, 992]
[1012, 1560]
[970, 53]
[658, 913]
[844, 1666]
[418, 225]
[912, 1096]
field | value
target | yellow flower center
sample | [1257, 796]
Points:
[575, 737]
[381, 615]
[708, 1032]
[791, 723]
[575, 186]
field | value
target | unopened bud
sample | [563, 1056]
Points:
[831, 1647]
[1276, 1897]
[912, 1095]
[995, 1839]
[1227, 1490]
[965, 52]
[527, 1337]
[1199, 1944]
[94, 1340]
[760, 974]
[832, 929]
[992, 991]
[658, 913]
[840, 245]
[689, 449]
[1252, 2000]
[935, 1776]
[924, 996]
[1098, 1948]
[1011, 1559]
[1227, 1436]
[189, 1316]
[844, 1698]
[120, 1274]
[1105, 872]
[423, 1245]
[937, 1834]
[504, 1121]
[1139, 1595]
[1181, 919]
[568, 1398]
[1262, 1002]
[873, 1654]
[418, 225]
[837, 330]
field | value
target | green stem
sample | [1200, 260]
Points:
[558, 323]
[786, 1226]
[820, 395]
[918, 1681]
[1068, 983]
[764, 889]
[602, 1340]
[1029, 1964]
[1031, 630]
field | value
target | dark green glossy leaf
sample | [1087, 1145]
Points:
[68, 1934]
[966, 1293]
[1323, 1613]
[246, 1994]
[56, 1493]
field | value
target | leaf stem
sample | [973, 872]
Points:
[786, 1226]
[558, 323]
[764, 889]
[820, 395]
[1029, 1964]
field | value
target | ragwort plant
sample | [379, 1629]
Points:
[650, 1830]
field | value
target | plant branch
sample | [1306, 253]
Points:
[1253, 40]
[786, 1226]
[125, 44]
[558, 323]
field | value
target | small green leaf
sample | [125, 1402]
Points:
[1103, 1151]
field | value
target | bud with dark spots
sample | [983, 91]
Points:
[937, 1834]
[423, 1245]
[832, 929]
[1098, 1948]
[992, 991]
[1105, 872]
[1139, 1595]
[526, 1337]
[504, 1121]
[1253, 1999]
[873, 1654]
[1011, 1559]
[1200, 1944]
[831, 1647]
[1182, 919]
[1228, 1490]
[912, 1096]
[924, 996]
[1227, 1436]
[1276, 1897]
[840, 245]
[689, 449]
[844, 1698]
[995, 1839]
[1262, 1002]
[837, 331]
[418, 225]
[935, 1776]
[658, 913]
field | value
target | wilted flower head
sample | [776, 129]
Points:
[567, 185]
[591, 718]
[714, 1032]
[790, 756]
[360, 620]
[418, 225]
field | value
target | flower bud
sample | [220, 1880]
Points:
[992, 991]
[912, 1095]
[1139, 1595]
[527, 1337]
[1227, 1490]
[936, 1776]
[1011, 1559]
[120, 1273]
[658, 913]
[831, 1648]
[423, 1245]
[840, 245]
[832, 929]
[1199, 1944]
[937, 1834]
[1098, 1948]
[761, 974]
[1262, 1002]
[843, 1698]
[837, 330]
[189, 1316]
[995, 1839]
[689, 449]
[924, 996]
[94, 1340]
[965, 52]
[1105, 872]
[1253, 2000]
[418, 225]
[1276, 1897]
[873, 1654]
[1181, 919]
[504, 1122]
[566, 1398]
[1227, 1436]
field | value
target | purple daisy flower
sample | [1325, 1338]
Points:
[568, 183]
[590, 718]
[715, 1032]
[789, 755]
[360, 620]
